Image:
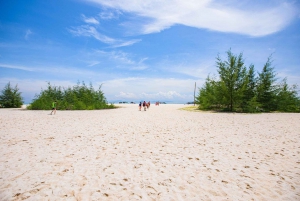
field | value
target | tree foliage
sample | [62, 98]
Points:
[266, 88]
[287, 100]
[238, 89]
[232, 79]
[79, 97]
[11, 97]
[208, 98]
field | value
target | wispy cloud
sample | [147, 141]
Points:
[89, 20]
[25, 68]
[90, 31]
[138, 67]
[55, 69]
[121, 58]
[126, 43]
[27, 34]
[224, 16]
[93, 63]
[108, 15]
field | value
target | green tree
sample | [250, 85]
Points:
[11, 97]
[249, 100]
[232, 79]
[238, 89]
[287, 98]
[207, 97]
[266, 88]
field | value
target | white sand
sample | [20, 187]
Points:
[161, 154]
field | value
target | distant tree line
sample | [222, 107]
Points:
[78, 97]
[239, 89]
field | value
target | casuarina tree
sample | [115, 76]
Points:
[238, 89]
[232, 79]
[11, 97]
[266, 88]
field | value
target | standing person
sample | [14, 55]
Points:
[140, 106]
[144, 105]
[53, 107]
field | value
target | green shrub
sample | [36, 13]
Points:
[79, 97]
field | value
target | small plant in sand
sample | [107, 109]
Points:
[78, 97]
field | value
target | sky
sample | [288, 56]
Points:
[142, 50]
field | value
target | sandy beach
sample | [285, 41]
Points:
[160, 154]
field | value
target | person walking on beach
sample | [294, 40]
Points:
[144, 105]
[140, 106]
[53, 108]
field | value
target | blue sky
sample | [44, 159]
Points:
[142, 50]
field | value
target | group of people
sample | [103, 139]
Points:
[145, 105]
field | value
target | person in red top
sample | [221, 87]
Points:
[148, 104]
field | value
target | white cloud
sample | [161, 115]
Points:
[169, 95]
[90, 31]
[126, 95]
[126, 43]
[93, 63]
[291, 78]
[107, 15]
[139, 67]
[27, 34]
[224, 16]
[122, 59]
[198, 69]
[90, 20]
[25, 68]
[55, 70]
[139, 88]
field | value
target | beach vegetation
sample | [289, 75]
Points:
[238, 89]
[78, 97]
[232, 83]
[11, 97]
[287, 99]
[266, 87]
